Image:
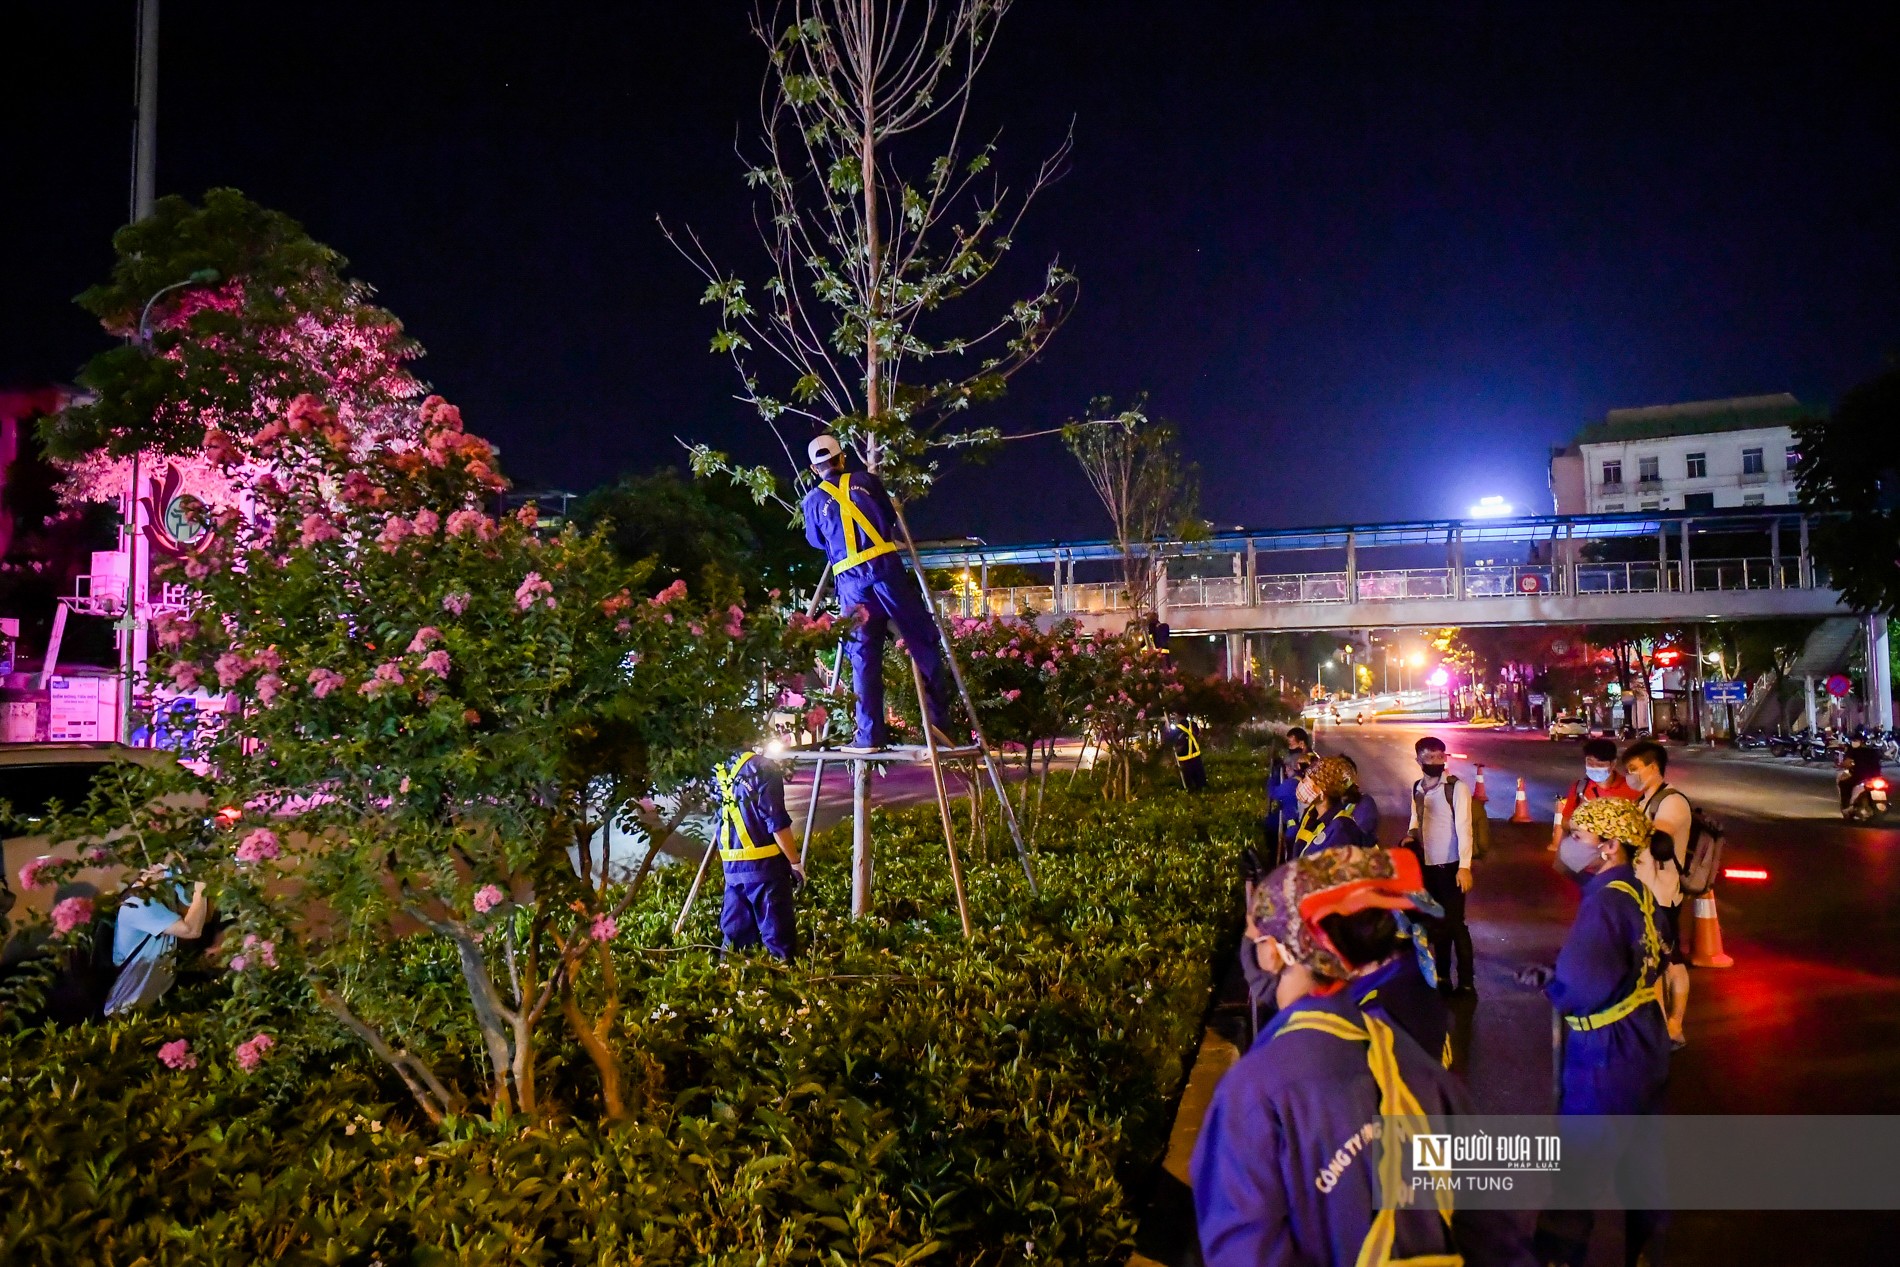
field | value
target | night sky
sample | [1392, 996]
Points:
[1373, 258]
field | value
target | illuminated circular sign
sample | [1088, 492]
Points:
[185, 519]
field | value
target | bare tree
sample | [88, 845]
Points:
[1135, 467]
[875, 212]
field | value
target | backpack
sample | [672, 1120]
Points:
[1699, 865]
[1480, 823]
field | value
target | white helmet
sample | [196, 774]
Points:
[823, 451]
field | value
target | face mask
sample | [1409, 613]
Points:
[1595, 775]
[1433, 770]
[1637, 780]
[1306, 792]
[1575, 856]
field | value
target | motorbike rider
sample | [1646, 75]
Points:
[1859, 763]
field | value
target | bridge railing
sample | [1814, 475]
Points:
[1415, 584]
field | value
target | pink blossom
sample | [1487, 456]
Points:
[388, 674]
[30, 873]
[308, 411]
[184, 675]
[261, 845]
[426, 522]
[265, 949]
[528, 516]
[735, 622]
[604, 929]
[357, 487]
[436, 662]
[268, 435]
[250, 1053]
[623, 625]
[532, 589]
[1012, 696]
[696, 629]
[426, 637]
[674, 591]
[466, 522]
[74, 912]
[315, 528]
[455, 604]
[177, 1055]
[395, 528]
[437, 412]
[267, 659]
[815, 718]
[789, 698]
[488, 897]
[323, 681]
[239, 963]
[172, 629]
[269, 687]
[230, 668]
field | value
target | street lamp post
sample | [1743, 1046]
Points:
[132, 624]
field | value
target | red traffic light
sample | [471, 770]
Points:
[1668, 655]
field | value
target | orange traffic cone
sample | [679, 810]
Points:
[1705, 936]
[1521, 812]
[1479, 796]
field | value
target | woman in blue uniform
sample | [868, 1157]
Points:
[1606, 986]
[1290, 1163]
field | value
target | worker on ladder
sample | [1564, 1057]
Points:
[759, 854]
[849, 516]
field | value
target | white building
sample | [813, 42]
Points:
[1704, 455]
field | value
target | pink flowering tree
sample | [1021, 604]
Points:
[436, 717]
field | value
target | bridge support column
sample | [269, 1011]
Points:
[1688, 567]
[1236, 657]
[1662, 558]
[1352, 567]
[1253, 576]
[1879, 674]
[983, 585]
[1455, 560]
[1805, 571]
[1774, 553]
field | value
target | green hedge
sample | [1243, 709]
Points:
[895, 1095]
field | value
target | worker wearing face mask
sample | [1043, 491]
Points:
[1601, 778]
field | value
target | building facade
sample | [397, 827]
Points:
[1703, 455]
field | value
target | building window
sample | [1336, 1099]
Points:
[1751, 462]
[1610, 508]
[1649, 470]
[1754, 499]
[1652, 505]
[1613, 471]
[1794, 457]
[1698, 501]
[1698, 466]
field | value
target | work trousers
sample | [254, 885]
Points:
[1450, 933]
[758, 911]
[881, 600]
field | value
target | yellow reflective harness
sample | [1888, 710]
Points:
[854, 522]
[747, 850]
[1402, 1112]
[1648, 976]
[1193, 745]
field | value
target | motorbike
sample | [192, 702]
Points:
[1867, 803]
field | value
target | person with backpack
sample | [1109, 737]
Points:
[1295, 1149]
[1601, 778]
[1606, 986]
[1440, 831]
[1360, 805]
[1659, 866]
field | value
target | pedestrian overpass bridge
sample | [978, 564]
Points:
[1669, 566]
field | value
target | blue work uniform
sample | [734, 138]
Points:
[758, 906]
[1398, 990]
[1615, 1062]
[850, 518]
[1364, 810]
[1185, 740]
[1286, 1169]
[1319, 831]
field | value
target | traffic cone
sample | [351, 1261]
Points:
[1521, 812]
[1479, 796]
[1705, 944]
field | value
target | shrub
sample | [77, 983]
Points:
[895, 1094]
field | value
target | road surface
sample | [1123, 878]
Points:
[1808, 1020]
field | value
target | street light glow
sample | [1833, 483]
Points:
[1489, 508]
[1417, 659]
[1438, 678]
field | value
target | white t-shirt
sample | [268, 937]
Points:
[1668, 809]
